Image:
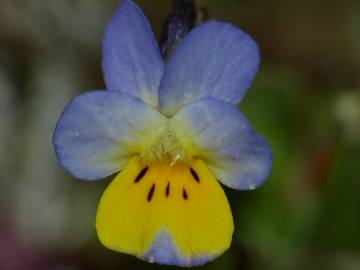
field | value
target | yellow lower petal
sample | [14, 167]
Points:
[166, 214]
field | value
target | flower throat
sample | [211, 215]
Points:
[165, 148]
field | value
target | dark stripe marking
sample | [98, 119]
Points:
[151, 192]
[141, 174]
[184, 194]
[167, 192]
[195, 175]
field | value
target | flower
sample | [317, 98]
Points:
[172, 129]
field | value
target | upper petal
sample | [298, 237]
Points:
[220, 134]
[215, 59]
[99, 131]
[131, 57]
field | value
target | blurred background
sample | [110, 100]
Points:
[305, 101]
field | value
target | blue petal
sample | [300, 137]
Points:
[220, 134]
[99, 131]
[215, 59]
[165, 251]
[132, 61]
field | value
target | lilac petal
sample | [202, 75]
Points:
[132, 61]
[99, 131]
[165, 251]
[215, 59]
[221, 135]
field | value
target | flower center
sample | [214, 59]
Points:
[165, 148]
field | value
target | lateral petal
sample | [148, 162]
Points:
[99, 131]
[220, 134]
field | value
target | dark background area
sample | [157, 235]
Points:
[305, 101]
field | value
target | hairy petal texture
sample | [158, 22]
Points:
[219, 133]
[99, 131]
[215, 59]
[163, 214]
[131, 57]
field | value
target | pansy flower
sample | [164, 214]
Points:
[172, 132]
